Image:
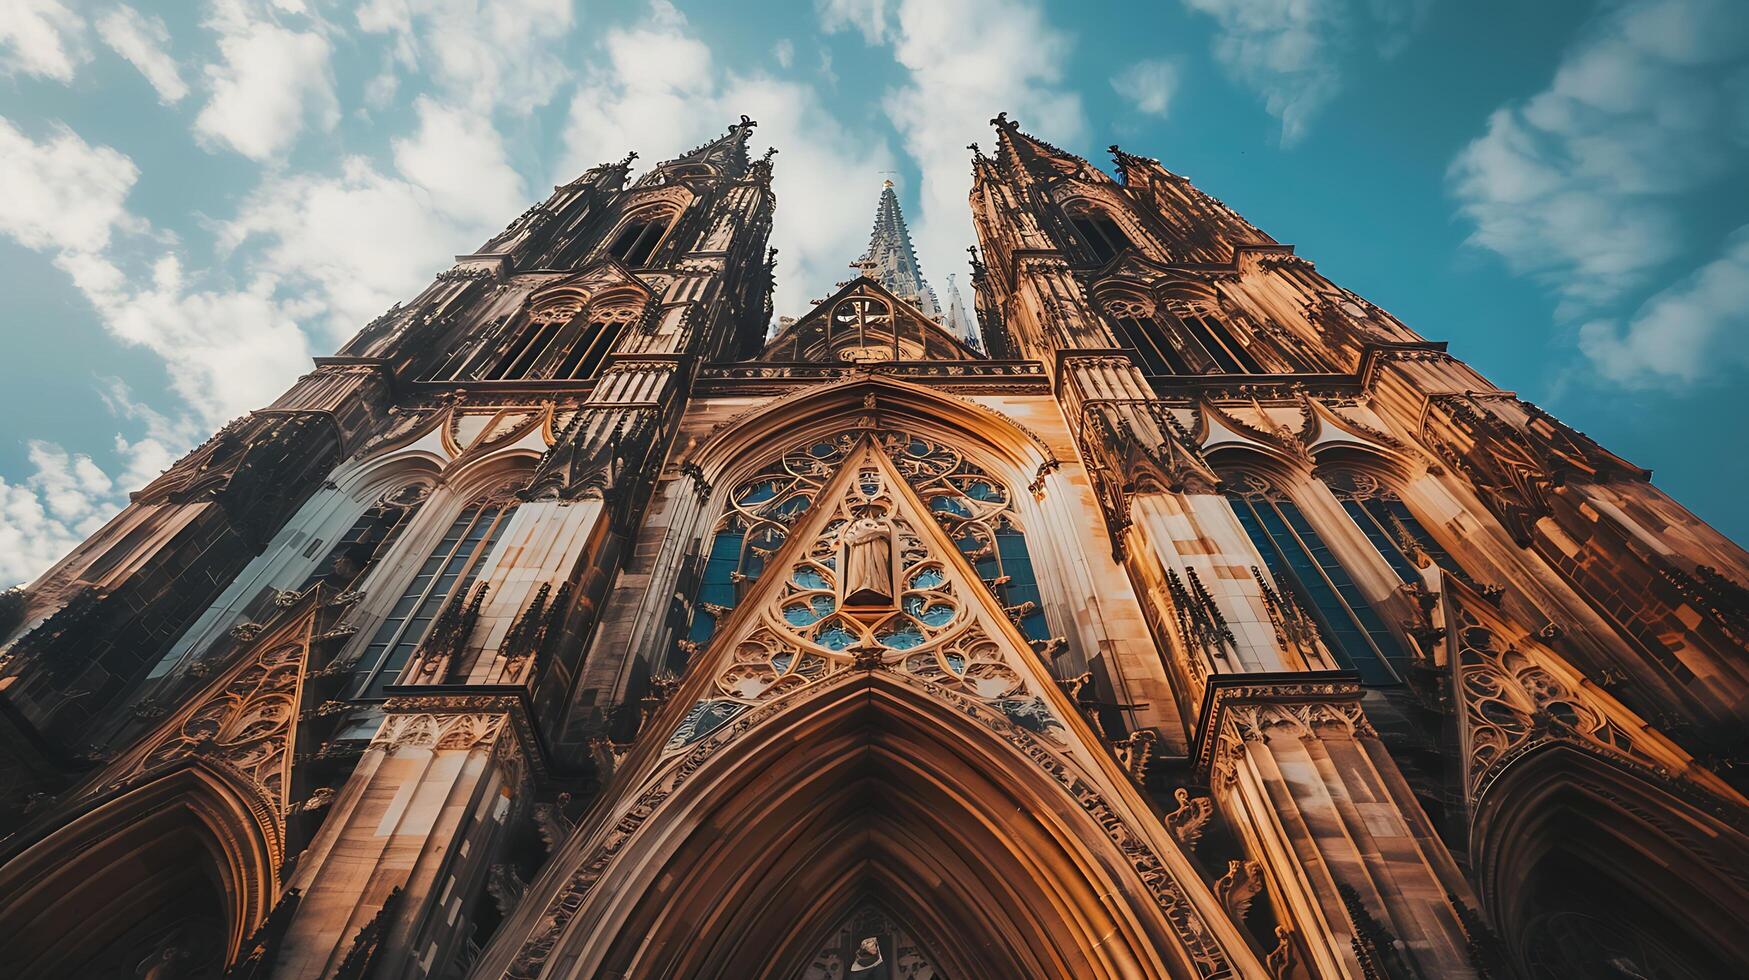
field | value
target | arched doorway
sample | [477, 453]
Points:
[168, 876]
[1592, 871]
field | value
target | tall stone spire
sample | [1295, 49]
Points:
[959, 322]
[891, 261]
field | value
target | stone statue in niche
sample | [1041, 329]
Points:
[868, 563]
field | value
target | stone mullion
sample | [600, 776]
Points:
[1303, 782]
[425, 808]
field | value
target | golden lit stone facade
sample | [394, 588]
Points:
[1197, 619]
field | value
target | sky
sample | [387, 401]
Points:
[198, 197]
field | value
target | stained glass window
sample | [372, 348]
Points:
[1299, 559]
[448, 571]
[1389, 525]
[973, 507]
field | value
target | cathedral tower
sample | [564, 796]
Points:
[1199, 620]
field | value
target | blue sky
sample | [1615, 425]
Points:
[195, 198]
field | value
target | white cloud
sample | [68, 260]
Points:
[67, 198]
[867, 16]
[1689, 331]
[784, 52]
[459, 159]
[1148, 85]
[62, 194]
[45, 515]
[661, 94]
[1584, 185]
[143, 41]
[486, 53]
[967, 60]
[45, 38]
[272, 81]
[1291, 51]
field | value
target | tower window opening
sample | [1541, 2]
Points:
[1298, 559]
[1098, 232]
[1212, 335]
[1143, 335]
[448, 572]
[638, 239]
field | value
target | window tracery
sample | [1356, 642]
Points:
[974, 508]
[1101, 235]
[1298, 559]
[561, 338]
[1389, 525]
[824, 620]
[449, 570]
[639, 235]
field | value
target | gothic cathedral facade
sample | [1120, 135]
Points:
[1181, 615]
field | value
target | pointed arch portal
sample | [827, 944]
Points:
[870, 728]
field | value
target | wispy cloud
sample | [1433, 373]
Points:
[144, 41]
[966, 60]
[45, 38]
[1291, 52]
[1148, 85]
[1585, 185]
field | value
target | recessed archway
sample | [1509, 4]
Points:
[876, 788]
[179, 868]
[1590, 870]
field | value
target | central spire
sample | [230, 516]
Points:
[892, 262]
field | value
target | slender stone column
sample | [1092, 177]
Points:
[414, 830]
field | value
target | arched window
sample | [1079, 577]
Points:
[447, 573]
[1299, 560]
[368, 539]
[1204, 329]
[563, 341]
[1388, 524]
[861, 328]
[1097, 231]
[638, 237]
[974, 508]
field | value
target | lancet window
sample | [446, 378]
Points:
[1221, 351]
[974, 508]
[447, 573]
[563, 339]
[1299, 560]
[368, 539]
[1389, 525]
[638, 237]
[1097, 231]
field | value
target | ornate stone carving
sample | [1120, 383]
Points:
[1190, 819]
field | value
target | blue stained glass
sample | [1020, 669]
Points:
[1381, 542]
[1350, 623]
[782, 660]
[759, 493]
[979, 490]
[956, 663]
[792, 505]
[949, 505]
[809, 578]
[835, 637]
[900, 636]
[808, 613]
[918, 448]
[931, 614]
[928, 578]
[822, 450]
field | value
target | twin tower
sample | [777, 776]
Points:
[1185, 616]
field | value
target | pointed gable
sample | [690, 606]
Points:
[1515, 695]
[865, 322]
[869, 579]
